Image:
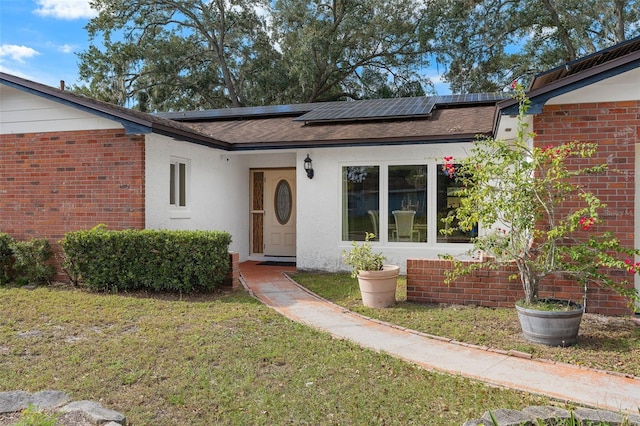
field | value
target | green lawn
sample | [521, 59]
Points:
[218, 359]
[606, 343]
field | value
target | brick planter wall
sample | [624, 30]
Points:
[52, 183]
[492, 288]
[615, 127]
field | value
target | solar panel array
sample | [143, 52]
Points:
[325, 112]
[370, 109]
[421, 106]
[472, 98]
[242, 112]
[587, 62]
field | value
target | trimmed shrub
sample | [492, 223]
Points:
[6, 257]
[31, 261]
[177, 261]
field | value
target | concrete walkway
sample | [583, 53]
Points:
[560, 381]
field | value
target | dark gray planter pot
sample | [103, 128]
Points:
[551, 328]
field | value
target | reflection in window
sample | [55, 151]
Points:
[447, 202]
[360, 202]
[407, 203]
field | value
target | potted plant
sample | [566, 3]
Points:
[377, 281]
[534, 214]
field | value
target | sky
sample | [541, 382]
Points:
[40, 39]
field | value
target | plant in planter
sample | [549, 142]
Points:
[533, 212]
[377, 281]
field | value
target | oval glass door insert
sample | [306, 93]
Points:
[283, 202]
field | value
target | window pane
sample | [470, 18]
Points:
[447, 203]
[172, 185]
[183, 184]
[407, 199]
[360, 202]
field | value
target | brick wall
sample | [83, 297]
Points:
[492, 288]
[233, 276]
[615, 127]
[52, 183]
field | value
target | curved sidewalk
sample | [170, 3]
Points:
[560, 381]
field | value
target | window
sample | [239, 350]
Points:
[178, 175]
[360, 202]
[399, 203]
[447, 202]
[407, 202]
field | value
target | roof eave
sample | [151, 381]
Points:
[539, 97]
[344, 143]
[132, 124]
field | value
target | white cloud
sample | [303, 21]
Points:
[66, 48]
[65, 9]
[17, 53]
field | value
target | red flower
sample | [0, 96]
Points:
[448, 168]
[586, 223]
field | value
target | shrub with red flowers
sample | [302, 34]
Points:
[517, 194]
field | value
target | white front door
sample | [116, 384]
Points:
[280, 212]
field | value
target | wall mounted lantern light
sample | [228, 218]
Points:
[308, 167]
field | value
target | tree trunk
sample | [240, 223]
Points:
[529, 282]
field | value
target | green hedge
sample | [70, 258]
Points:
[177, 261]
[6, 255]
[25, 262]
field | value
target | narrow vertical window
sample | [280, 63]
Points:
[172, 184]
[182, 185]
[178, 176]
[360, 202]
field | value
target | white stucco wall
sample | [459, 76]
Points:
[217, 198]
[22, 112]
[218, 194]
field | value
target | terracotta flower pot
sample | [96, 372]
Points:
[378, 288]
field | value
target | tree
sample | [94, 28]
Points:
[533, 212]
[486, 44]
[334, 48]
[160, 55]
[177, 54]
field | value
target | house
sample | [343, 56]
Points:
[71, 163]
[68, 162]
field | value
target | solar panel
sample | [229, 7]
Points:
[466, 98]
[228, 113]
[370, 109]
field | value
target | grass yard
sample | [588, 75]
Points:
[220, 359]
[606, 343]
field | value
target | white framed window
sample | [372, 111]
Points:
[179, 174]
[399, 203]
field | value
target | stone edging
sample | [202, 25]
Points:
[554, 416]
[94, 412]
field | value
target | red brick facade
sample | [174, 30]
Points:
[615, 127]
[52, 183]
